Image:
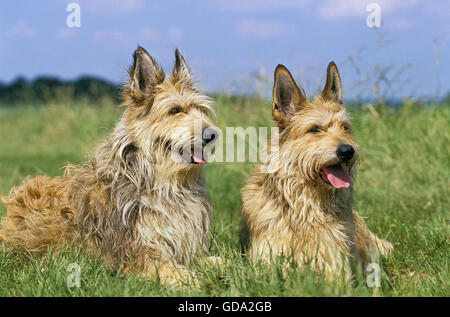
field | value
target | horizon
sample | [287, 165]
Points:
[393, 102]
[235, 46]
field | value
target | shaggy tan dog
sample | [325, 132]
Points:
[303, 206]
[141, 197]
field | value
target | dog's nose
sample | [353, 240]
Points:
[345, 152]
[209, 136]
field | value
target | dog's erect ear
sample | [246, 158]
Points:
[287, 96]
[181, 71]
[333, 88]
[145, 73]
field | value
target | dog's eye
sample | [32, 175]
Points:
[175, 110]
[314, 130]
[347, 128]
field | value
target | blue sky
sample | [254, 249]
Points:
[235, 45]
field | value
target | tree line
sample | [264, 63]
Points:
[47, 89]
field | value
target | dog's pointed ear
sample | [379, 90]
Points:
[287, 96]
[145, 73]
[181, 71]
[333, 88]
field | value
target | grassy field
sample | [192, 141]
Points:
[402, 189]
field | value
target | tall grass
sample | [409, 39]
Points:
[402, 189]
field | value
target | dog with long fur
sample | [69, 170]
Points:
[136, 201]
[303, 206]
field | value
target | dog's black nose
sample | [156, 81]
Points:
[345, 152]
[209, 135]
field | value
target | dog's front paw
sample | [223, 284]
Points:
[385, 247]
[217, 261]
[172, 275]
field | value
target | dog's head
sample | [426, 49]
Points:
[315, 135]
[167, 117]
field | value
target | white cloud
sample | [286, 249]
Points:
[108, 35]
[143, 35]
[175, 34]
[262, 28]
[399, 23]
[260, 5]
[66, 33]
[20, 30]
[148, 34]
[350, 8]
[113, 6]
[437, 7]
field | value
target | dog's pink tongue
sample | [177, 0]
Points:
[337, 176]
[200, 160]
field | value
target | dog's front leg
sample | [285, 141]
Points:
[369, 245]
[169, 273]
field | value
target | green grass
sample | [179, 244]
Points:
[402, 189]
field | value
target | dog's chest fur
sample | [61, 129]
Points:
[177, 227]
[284, 215]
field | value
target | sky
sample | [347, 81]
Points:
[234, 45]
